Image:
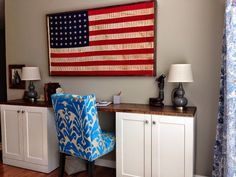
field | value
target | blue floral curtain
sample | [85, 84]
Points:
[225, 147]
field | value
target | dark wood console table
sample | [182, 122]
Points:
[123, 107]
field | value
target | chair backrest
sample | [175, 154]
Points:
[77, 124]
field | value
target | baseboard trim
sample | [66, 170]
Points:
[112, 164]
[105, 163]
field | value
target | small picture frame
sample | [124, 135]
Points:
[15, 72]
[49, 89]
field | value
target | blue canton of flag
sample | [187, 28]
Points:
[69, 30]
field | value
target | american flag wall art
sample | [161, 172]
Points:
[111, 41]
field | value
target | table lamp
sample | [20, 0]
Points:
[31, 74]
[180, 73]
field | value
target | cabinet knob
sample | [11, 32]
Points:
[18, 111]
[154, 122]
[22, 111]
[146, 122]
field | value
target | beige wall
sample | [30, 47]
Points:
[188, 31]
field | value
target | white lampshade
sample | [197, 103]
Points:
[30, 73]
[180, 73]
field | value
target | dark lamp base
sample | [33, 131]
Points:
[178, 99]
[31, 93]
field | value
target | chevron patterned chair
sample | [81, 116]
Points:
[78, 130]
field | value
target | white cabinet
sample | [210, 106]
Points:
[154, 145]
[29, 137]
[12, 135]
[133, 144]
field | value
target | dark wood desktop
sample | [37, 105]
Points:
[123, 107]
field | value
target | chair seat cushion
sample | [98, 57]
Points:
[107, 146]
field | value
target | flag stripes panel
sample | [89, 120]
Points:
[117, 40]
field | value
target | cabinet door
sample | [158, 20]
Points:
[133, 148]
[35, 135]
[172, 146]
[12, 137]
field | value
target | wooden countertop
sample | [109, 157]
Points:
[146, 109]
[123, 107]
[21, 102]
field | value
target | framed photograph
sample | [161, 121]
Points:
[110, 41]
[15, 81]
[49, 89]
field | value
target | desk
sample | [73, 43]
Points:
[150, 141]
[123, 107]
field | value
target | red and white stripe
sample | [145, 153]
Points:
[121, 43]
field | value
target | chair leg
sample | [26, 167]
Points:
[62, 164]
[91, 169]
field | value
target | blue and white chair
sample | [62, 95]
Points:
[78, 130]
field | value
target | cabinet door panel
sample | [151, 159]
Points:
[35, 131]
[133, 145]
[169, 143]
[11, 122]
